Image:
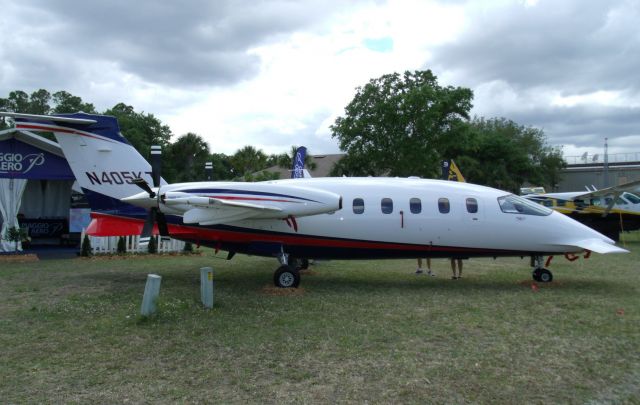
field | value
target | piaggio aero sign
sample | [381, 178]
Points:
[19, 163]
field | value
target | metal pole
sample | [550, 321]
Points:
[606, 164]
[151, 292]
[208, 170]
[206, 287]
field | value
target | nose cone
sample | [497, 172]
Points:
[571, 233]
[141, 200]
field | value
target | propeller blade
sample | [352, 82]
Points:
[162, 224]
[144, 185]
[156, 164]
[147, 230]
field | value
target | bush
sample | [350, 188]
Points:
[122, 246]
[85, 249]
[188, 247]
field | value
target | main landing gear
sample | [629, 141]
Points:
[287, 275]
[539, 272]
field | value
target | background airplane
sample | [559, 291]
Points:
[329, 218]
[610, 211]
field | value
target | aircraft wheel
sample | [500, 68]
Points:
[545, 276]
[536, 274]
[286, 277]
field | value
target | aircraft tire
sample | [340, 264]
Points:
[536, 274]
[286, 277]
[545, 276]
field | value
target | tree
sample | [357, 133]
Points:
[248, 160]
[399, 125]
[188, 155]
[141, 130]
[68, 103]
[222, 168]
[500, 153]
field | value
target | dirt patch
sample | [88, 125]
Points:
[19, 258]
[534, 285]
[282, 292]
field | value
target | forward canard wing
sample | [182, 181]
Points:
[595, 245]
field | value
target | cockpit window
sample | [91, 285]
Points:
[632, 197]
[513, 204]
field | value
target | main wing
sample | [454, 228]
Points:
[217, 203]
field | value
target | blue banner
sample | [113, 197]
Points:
[19, 160]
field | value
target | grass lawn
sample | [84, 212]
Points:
[362, 331]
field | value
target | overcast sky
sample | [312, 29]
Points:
[277, 73]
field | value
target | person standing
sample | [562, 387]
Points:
[420, 270]
[453, 268]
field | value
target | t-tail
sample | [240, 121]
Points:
[297, 170]
[451, 172]
[104, 163]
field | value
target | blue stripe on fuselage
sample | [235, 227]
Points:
[243, 192]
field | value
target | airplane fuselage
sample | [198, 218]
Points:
[387, 217]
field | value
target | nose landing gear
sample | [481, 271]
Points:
[540, 273]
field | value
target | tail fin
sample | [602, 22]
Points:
[102, 160]
[451, 172]
[297, 170]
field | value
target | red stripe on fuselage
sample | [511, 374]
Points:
[244, 236]
[60, 129]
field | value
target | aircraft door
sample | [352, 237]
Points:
[472, 211]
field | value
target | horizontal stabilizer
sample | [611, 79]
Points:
[54, 118]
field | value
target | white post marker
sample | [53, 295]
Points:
[206, 286]
[151, 293]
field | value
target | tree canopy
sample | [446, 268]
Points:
[500, 153]
[399, 125]
[406, 125]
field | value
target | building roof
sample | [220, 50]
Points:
[32, 139]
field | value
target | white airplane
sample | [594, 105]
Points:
[325, 218]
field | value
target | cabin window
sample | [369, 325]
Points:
[472, 205]
[415, 205]
[547, 203]
[358, 205]
[561, 203]
[443, 205]
[386, 205]
[513, 204]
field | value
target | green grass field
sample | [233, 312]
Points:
[362, 331]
